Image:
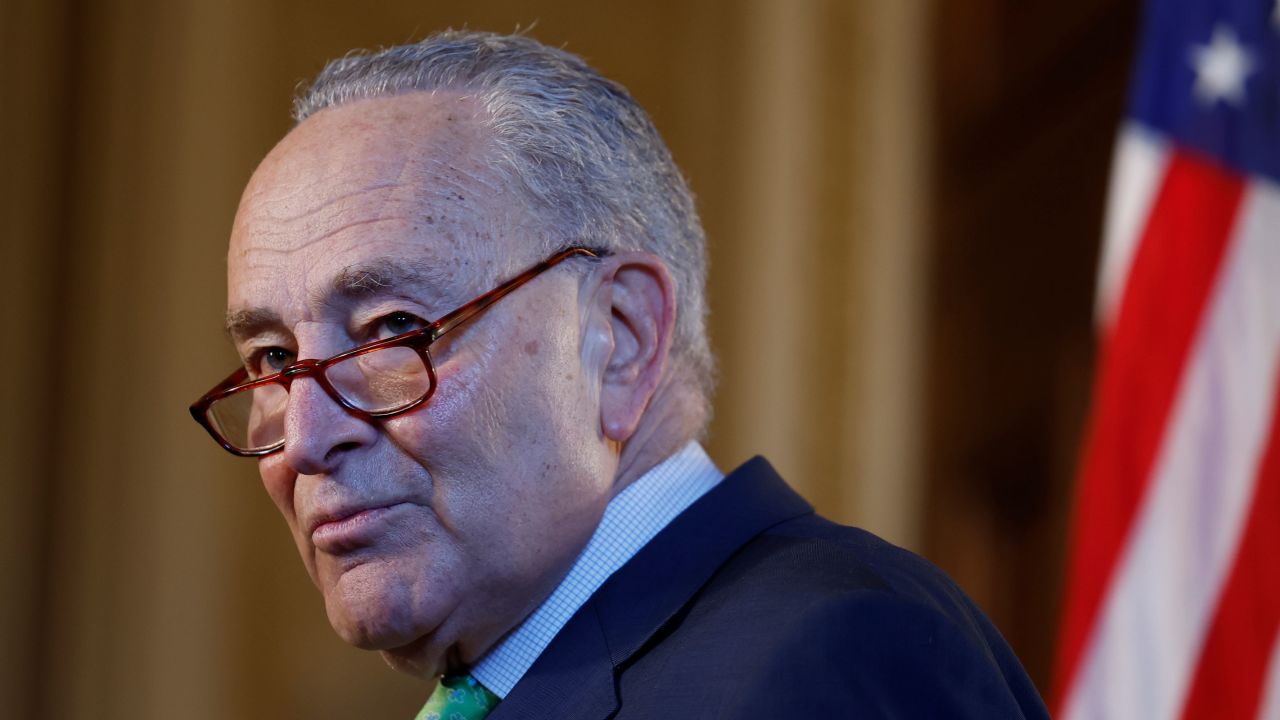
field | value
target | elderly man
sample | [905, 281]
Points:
[467, 290]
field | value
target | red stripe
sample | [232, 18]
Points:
[1233, 666]
[1139, 372]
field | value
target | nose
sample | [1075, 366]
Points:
[318, 433]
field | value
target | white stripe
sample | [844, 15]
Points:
[1269, 709]
[1137, 170]
[1144, 648]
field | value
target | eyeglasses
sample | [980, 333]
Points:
[380, 379]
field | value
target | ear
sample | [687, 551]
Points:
[633, 320]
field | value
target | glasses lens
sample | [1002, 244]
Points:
[383, 380]
[251, 419]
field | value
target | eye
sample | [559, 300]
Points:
[270, 360]
[398, 323]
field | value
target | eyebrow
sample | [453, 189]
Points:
[247, 323]
[382, 276]
[385, 275]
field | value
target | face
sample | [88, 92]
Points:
[432, 533]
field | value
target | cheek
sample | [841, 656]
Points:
[279, 481]
[456, 426]
[489, 428]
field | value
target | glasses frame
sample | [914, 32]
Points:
[420, 340]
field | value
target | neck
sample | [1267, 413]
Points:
[668, 424]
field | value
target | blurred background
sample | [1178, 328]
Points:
[904, 203]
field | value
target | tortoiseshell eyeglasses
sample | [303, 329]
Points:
[380, 379]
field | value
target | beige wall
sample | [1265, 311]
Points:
[146, 574]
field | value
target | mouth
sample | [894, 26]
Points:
[351, 529]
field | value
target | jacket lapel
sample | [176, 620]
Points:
[574, 676]
[646, 592]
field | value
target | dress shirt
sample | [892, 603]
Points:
[631, 519]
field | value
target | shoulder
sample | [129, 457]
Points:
[856, 622]
[811, 557]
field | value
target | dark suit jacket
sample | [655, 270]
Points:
[748, 605]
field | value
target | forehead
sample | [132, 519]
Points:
[408, 178]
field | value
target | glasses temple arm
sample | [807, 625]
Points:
[466, 312]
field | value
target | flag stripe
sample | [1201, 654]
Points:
[1144, 649]
[1271, 699]
[1142, 362]
[1233, 665]
[1137, 169]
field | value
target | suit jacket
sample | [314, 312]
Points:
[748, 605]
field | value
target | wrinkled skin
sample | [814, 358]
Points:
[481, 499]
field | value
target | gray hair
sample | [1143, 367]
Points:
[575, 143]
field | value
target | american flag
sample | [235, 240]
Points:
[1173, 597]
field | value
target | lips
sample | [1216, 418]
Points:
[348, 529]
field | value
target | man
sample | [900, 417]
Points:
[468, 292]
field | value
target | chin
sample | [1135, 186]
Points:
[372, 611]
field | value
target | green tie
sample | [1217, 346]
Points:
[458, 697]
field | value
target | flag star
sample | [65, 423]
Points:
[1221, 68]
